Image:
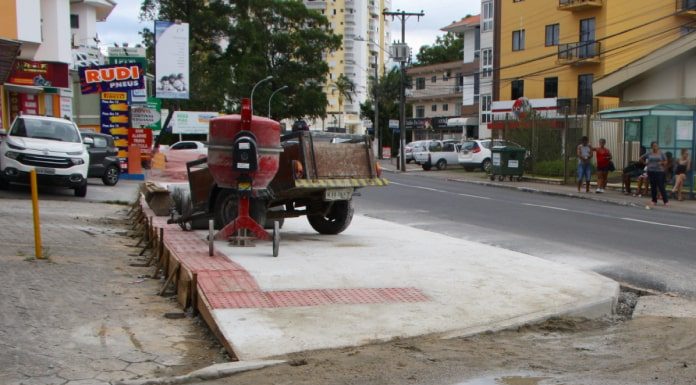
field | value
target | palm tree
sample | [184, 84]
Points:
[346, 89]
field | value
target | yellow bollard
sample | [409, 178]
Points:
[35, 207]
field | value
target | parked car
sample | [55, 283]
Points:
[3, 134]
[51, 146]
[437, 153]
[412, 147]
[103, 158]
[477, 153]
[188, 149]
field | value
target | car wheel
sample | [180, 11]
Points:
[441, 164]
[111, 175]
[426, 166]
[81, 191]
[335, 221]
[226, 205]
[486, 165]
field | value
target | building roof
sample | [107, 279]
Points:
[9, 50]
[613, 83]
[435, 68]
[469, 22]
[654, 109]
[103, 7]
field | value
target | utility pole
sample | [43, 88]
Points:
[378, 132]
[403, 16]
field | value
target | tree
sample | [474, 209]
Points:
[447, 48]
[346, 89]
[234, 44]
[388, 99]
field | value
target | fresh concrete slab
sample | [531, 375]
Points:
[665, 305]
[472, 288]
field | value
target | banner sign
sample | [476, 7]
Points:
[115, 122]
[141, 138]
[192, 122]
[40, 74]
[148, 115]
[108, 78]
[171, 60]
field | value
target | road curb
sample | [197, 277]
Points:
[212, 372]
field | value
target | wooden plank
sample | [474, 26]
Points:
[205, 310]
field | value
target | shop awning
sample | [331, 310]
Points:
[648, 110]
[461, 122]
[9, 50]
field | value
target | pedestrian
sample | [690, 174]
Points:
[603, 165]
[656, 160]
[631, 171]
[683, 166]
[584, 153]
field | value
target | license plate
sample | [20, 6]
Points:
[45, 171]
[338, 194]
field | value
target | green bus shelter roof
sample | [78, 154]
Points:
[682, 110]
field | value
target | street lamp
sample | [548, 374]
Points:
[267, 78]
[271, 98]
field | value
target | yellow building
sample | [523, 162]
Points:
[557, 48]
[365, 45]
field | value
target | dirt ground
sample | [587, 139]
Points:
[646, 350]
[84, 315]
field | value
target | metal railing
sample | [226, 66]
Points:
[571, 3]
[579, 51]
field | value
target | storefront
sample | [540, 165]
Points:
[9, 50]
[36, 88]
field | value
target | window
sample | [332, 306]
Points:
[433, 108]
[553, 32]
[420, 112]
[433, 79]
[99, 142]
[551, 87]
[420, 83]
[486, 116]
[587, 36]
[517, 89]
[74, 21]
[518, 40]
[487, 63]
[445, 107]
[487, 10]
[584, 92]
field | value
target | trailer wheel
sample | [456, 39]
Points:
[226, 209]
[337, 219]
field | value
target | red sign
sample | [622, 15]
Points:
[111, 78]
[40, 74]
[141, 138]
[24, 103]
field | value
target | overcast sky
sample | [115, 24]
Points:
[123, 25]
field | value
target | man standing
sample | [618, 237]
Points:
[584, 154]
[603, 159]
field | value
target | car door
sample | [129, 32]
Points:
[466, 152]
[449, 152]
[97, 154]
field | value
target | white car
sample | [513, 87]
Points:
[438, 153]
[185, 150]
[477, 153]
[51, 146]
[411, 148]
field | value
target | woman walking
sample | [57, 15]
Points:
[683, 168]
[655, 161]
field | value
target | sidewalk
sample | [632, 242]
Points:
[549, 186]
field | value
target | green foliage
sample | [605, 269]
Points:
[234, 44]
[388, 91]
[447, 48]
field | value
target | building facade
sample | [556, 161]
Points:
[556, 49]
[366, 38]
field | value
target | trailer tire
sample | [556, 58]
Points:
[337, 220]
[226, 208]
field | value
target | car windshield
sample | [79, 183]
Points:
[505, 143]
[45, 129]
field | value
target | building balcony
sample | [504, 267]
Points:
[579, 5]
[580, 53]
[315, 4]
[686, 7]
[435, 93]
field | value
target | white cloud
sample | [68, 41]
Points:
[123, 24]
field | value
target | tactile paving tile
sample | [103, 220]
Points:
[238, 300]
[226, 281]
[297, 298]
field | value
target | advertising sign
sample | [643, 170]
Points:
[108, 78]
[40, 74]
[148, 115]
[115, 121]
[171, 60]
[142, 139]
[191, 122]
[127, 55]
[66, 107]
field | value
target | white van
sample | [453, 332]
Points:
[51, 146]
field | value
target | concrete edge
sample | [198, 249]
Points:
[591, 309]
[212, 372]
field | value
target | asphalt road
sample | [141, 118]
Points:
[649, 248]
[123, 191]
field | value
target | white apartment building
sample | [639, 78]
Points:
[365, 45]
[487, 74]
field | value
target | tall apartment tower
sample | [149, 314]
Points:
[365, 45]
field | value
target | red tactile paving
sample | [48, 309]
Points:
[227, 285]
